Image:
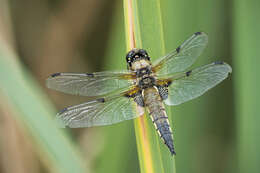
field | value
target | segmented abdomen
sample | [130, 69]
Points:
[158, 115]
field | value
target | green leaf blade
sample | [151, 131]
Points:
[36, 114]
[154, 156]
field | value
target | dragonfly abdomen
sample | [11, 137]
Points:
[159, 117]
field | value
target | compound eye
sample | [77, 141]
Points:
[129, 56]
[143, 53]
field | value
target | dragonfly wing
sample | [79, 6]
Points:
[182, 57]
[89, 84]
[103, 111]
[196, 82]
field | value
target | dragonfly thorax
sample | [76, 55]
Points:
[143, 72]
[146, 82]
[145, 77]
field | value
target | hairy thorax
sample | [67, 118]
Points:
[140, 64]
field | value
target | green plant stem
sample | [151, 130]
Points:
[247, 83]
[144, 31]
[33, 110]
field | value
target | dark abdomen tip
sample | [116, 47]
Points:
[168, 140]
[164, 129]
[172, 152]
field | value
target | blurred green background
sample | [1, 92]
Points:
[218, 132]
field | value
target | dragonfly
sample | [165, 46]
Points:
[143, 86]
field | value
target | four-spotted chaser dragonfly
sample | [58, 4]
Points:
[143, 85]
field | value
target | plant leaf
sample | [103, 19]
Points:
[146, 32]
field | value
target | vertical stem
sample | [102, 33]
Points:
[129, 24]
[247, 83]
[142, 31]
[139, 123]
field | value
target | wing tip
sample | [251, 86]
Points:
[47, 83]
[219, 62]
[201, 35]
[62, 111]
[55, 74]
[59, 122]
[178, 49]
[198, 33]
[48, 80]
[223, 63]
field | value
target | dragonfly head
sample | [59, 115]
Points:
[137, 55]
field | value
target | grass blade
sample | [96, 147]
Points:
[247, 82]
[34, 111]
[144, 31]
[120, 139]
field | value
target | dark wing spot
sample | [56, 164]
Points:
[178, 49]
[90, 74]
[197, 33]
[55, 74]
[63, 110]
[132, 92]
[219, 62]
[188, 73]
[102, 100]
[168, 83]
[127, 95]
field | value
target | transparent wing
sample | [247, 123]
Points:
[183, 57]
[103, 111]
[89, 84]
[194, 83]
